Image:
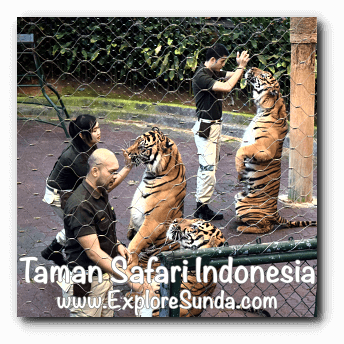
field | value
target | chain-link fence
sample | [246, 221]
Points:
[133, 74]
[248, 292]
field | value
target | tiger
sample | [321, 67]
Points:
[159, 198]
[194, 234]
[157, 206]
[199, 234]
[258, 160]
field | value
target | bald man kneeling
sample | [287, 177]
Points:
[90, 224]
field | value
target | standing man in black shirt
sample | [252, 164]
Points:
[209, 83]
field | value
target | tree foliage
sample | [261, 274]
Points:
[147, 50]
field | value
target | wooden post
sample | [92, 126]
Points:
[303, 39]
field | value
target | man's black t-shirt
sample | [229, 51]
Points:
[208, 102]
[88, 212]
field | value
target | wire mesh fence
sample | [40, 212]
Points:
[134, 74]
[264, 290]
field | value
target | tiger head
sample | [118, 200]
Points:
[195, 233]
[150, 149]
[266, 87]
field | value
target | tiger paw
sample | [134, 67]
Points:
[253, 229]
[248, 229]
[241, 228]
[239, 166]
[131, 233]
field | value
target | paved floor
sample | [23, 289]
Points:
[39, 145]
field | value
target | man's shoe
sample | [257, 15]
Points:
[205, 213]
[53, 252]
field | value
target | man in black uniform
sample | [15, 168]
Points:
[209, 83]
[90, 225]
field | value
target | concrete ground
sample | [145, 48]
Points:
[39, 145]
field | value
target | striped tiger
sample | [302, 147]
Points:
[199, 234]
[191, 234]
[258, 160]
[195, 234]
[159, 198]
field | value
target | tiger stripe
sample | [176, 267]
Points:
[258, 160]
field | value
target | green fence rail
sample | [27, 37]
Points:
[243, 255]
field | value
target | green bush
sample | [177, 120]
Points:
[142, 51]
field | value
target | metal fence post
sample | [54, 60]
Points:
[316, 305]
[171, 289]
[164, 292]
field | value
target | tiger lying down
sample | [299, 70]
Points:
[158, 203]
[258, 160]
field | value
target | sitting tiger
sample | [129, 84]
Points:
[158, 201]
[258, 160]
[159, 198]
